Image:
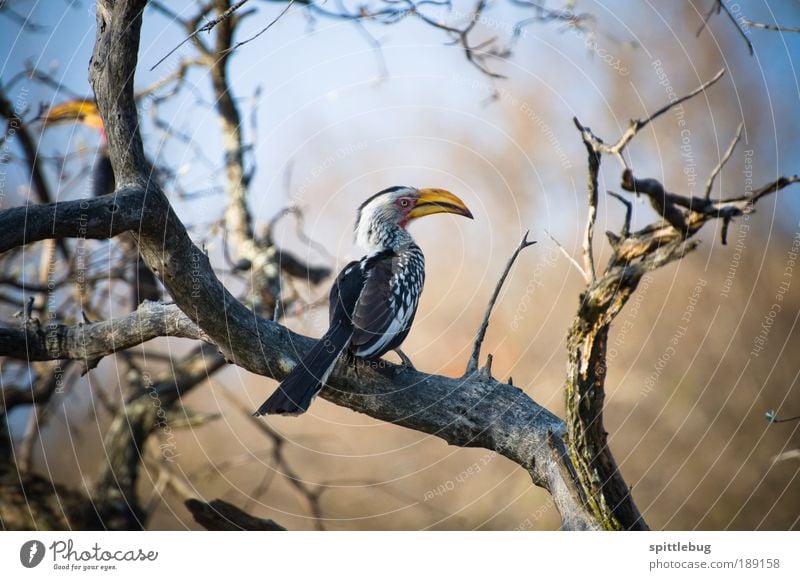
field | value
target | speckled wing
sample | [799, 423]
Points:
[385, 309]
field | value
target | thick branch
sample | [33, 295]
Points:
[600, 480]
[219, 515]
[609, 495]
[99, 218]
[700, 209]
[35, 341]
[111, 78]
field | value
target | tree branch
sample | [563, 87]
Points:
[598, 146]
[572, 260]
[474, 359]
[723, 160]
[98, 218]
[34, 341]
[219, 515]
[594, 170]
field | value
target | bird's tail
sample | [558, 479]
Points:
[298, 389]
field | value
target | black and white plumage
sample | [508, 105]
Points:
[373, 300]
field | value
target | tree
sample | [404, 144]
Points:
[569, 458]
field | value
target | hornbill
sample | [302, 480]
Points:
[85, 111]
[373, 300]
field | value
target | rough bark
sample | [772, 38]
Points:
[89, 342]
[219, 515]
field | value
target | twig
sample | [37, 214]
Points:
[723, 160]
[775, 27]
[738, 26]
[773, 187]
[572, 260]
[472, 364]
[772, 417]
[626, 225]
[786, 455]
[707, 17]
[206, 27]
[24, 21]
[639, 124]
[263, 30]
[597, 146]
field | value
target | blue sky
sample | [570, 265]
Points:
[323, 112]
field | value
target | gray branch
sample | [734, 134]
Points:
[36, 341]
[99, 218]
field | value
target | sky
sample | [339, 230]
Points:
[333, 119]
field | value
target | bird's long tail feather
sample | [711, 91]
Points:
[294, 395]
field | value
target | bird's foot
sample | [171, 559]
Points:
[405, 361]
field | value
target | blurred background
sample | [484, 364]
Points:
[334, 110]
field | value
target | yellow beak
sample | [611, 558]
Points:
[78, 110]
[431, 201]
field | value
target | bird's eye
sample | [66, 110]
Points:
[403, 203]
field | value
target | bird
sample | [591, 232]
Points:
[373, 300]
[145, 284]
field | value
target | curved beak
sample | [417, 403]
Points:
[76, 110]
[431, 201]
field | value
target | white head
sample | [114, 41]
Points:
[382, 219]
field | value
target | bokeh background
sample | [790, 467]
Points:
[332, 118]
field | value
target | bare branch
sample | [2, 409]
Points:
[638, 124]
[775, 27]
[586, 277]
[772, 417]
[663, 203]
[626, 225]
[135, 421]
[311, 496]
[740, 22]
[700, 208]
[99, 218]
[474, 359]
[263, 30]
[36, 341]
[40, 392]
[480, 412]
[738, 26]
[205, 28]
[600, 480]
[723, 160]
[594, 169]
[219, 515]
